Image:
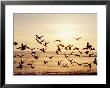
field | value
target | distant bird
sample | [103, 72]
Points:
[45, 44]
[88, 46]
[71, 61]
[77, 55]
[57, 52]
[22, 62]
[20, 56]
[20, 66]
[71, 53]
[59, 62]
[95, 61]
[45, 62]
[76, 48]
[14, 56]
[51, 57]
[58, 48]
[80, 52]
[90, 55]
[32, 66]
[85, 64]
[79, 64]
[87, 52]
[92, 48]
[39, 41]
[57, 40]
[70, 46]
[23, 47]
[36, 57]
[33, 52]
[43, 49]
[15, 43]
[61, 45]
[39, 37]
[66, 56]
[29, 64]
[77, 38]
[89, 65]
[65, 65]
[31, 48]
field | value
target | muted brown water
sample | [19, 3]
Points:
[52, 67]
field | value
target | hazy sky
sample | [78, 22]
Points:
[56, 26]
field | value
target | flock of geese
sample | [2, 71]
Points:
[60, 46]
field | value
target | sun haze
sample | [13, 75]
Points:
[64, 27]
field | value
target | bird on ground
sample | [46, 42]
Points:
[39, 37]
[70, 46]
[15, 43]
[95, 61]
[23, 47]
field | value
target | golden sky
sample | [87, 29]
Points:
[56, 26]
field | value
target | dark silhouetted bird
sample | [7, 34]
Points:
[80, 52]
[23, 47]
[45, 44]
[51, 57]
[43, 50]
[59, 62]
[20, 66]
[57, 41]
[77, 55]
[95, 61]
[65, 65]
[39, 37]
[76, 48]
[45, 62]
[77, 38]
[66, 56]
[15, 43]
[90, 55]
[92, 49]
[87, 52]
[61, 45]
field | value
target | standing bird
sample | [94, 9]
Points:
[51, 57]
[87, 52]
